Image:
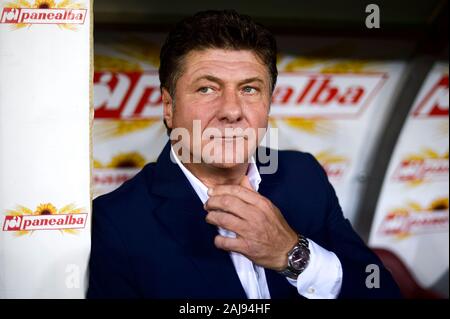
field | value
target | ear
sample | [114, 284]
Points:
[168, 107]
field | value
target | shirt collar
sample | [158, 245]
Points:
[202, 191]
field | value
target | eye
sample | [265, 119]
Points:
[205, 90]
[249, 90]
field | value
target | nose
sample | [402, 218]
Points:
[231, 107]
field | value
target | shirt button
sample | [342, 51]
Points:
[311, 290]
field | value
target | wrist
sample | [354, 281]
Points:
[283, 257]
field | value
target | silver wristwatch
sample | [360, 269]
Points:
[298, 258]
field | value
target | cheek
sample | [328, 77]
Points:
[258, 116]
[186, 113]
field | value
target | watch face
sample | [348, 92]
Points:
[299, 258]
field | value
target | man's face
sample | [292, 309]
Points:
[229, 93]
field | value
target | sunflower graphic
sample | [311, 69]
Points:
[44, 4]
[427, 153]
[115, 64]
[107, 129]
[139, 49]
[439, 204]
[45, 209]
[97, 164]
[328, 157]
[301, 63]
[318, 60]
[314, 126]
[127, 160]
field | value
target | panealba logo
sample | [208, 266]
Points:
[21, 13]
[413, 219]
[429, 165]
[23, 220]
[136, 95]
[334, 165]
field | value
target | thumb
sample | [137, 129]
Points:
[246, 183]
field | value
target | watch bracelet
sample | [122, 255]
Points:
[304, 243]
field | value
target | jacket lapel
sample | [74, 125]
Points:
[182, 214]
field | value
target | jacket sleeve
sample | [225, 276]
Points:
[357, 260]
[110, 273]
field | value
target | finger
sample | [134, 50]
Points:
[248, 196]
[244, 193]
[225, 220]
[228, 244]
[230, 204]
[245, 182]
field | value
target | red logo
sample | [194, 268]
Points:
[44, 222]
[10, 15]
[127, 95]
[335, 171]
[324, 95]
[414, 219]
[12, 223]
[42, 16]
[435, 102]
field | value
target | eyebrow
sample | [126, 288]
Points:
[212, 78]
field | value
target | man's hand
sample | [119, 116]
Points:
[262, 233]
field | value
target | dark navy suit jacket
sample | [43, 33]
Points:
[150, 238]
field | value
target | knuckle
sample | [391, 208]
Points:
[235, 190]
[226, 200]
[209, 202]
[210, 218]
[219, 242]
[267, 204]
[221, 219]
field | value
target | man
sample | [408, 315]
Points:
[202, 222]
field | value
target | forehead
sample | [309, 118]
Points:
[223, 64]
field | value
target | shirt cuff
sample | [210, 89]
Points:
[322, 278]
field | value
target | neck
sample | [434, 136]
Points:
[212, 176]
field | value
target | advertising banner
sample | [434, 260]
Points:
[411, 218]
[45, 119]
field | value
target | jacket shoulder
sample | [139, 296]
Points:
[293, 163]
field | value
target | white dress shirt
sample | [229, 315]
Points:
[322, 278]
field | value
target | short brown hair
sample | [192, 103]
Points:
[225, 29]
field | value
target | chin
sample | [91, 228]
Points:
[225, 165]
[229, 160]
